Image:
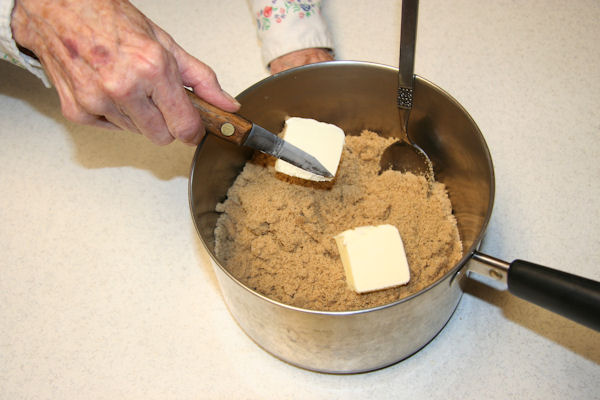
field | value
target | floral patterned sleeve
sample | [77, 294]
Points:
[289, 25]
[8, 48]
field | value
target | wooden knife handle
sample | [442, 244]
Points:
[222, 124]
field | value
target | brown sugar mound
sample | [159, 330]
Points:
[275, 233]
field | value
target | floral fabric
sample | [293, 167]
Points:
[284, 26]
[276, 13]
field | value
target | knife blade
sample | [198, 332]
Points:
[238, 130]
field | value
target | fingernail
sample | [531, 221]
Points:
[230, 97]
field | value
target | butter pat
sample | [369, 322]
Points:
[321, 140]
[373, 258]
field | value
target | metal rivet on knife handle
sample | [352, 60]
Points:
[227, 129]
[228, 126]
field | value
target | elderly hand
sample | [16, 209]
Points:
[114, 68]
[298, 58]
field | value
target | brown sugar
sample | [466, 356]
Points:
[275, 233]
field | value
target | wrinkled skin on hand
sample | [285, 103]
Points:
[299, 58]
[114, 68]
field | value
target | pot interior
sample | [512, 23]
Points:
[356, 96]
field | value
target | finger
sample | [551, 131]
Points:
[102, 122]
[120, 119]
[203, 80]
[197, 75]
[78, 110]
[184, 121]
[180, 118]
[70, 107]
[72, 110]
[104, 109]
[156, 101]
[144, 116]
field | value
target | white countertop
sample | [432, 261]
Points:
[106, 291]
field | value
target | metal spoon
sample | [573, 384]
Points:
[404, 155]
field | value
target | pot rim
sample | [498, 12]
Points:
[453, 271]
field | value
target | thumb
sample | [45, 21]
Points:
[197, 75]
[203, 80]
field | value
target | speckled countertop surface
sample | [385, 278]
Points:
[106, 291]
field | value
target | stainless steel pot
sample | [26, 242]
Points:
[357, 96]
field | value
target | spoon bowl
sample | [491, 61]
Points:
[404, 156]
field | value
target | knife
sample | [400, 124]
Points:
[236, 129]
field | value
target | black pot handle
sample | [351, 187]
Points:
[571, 296]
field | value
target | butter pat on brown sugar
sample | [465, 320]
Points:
[321, 140]
[373, 258]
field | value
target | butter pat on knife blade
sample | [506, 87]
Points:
[323, 141]
[238, 130]
[373, 258]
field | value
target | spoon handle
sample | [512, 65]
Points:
[408, 38]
